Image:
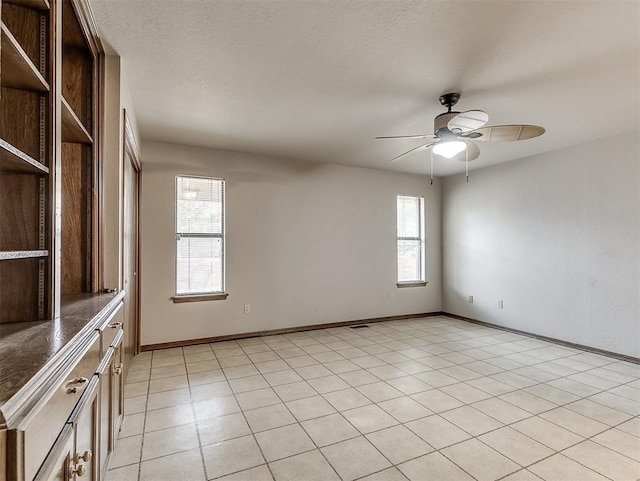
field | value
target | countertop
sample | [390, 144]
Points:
[28, 348]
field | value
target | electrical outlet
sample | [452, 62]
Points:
[470, 299]
[247, 308]
[500, 304]
[392, 297]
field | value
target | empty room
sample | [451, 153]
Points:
[320, 240]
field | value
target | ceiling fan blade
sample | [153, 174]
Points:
[473, 149]
[507, 133]
[468, 121]
[423, 136]
[421, 148]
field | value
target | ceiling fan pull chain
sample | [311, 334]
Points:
[467, 164]
[431, 166]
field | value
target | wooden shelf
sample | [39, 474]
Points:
[13, 255]
[18, 70]
[72, 128]
[39, 4]
[13, 159]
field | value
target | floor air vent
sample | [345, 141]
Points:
[359, 326]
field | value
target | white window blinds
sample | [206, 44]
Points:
[410, 233]
[199, 235]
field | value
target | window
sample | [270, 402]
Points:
[199, 237]
[410, 240]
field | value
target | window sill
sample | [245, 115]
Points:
[411, 284]
[200, 297]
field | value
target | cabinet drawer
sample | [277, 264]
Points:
[110, 328]
[37, 432]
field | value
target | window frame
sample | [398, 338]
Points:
[200, 296]
[422, 281]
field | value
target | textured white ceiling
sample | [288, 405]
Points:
[317, 80]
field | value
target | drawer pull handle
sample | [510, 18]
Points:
[86, 456]
[78, 470]
[115, 325]
[117, 369]
[77, 381]
[72, 386]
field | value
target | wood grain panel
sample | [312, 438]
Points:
[74, 218]
[72, 128]
[77, 82]
[72, 34]
[19, 198]
[77, 67]
[40, 4]
[24, 24]
[20, 120]
[14, 160]
[18, 71]
[19, 293]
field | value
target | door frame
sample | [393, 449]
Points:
[130, 146]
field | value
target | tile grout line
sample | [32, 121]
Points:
[299, 423]
[195, 421]
[463, 381]
[253, 434]
[430, 369]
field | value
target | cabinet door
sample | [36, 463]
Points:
[117, 390]
[104, 373]
[85, 420]
[58, 463]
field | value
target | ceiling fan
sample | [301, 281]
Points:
[453, 132]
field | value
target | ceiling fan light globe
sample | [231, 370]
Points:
[449, 149]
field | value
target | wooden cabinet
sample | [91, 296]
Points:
[39, 426]
[48, 157]
[61, 397]
[26, 159]
[85, 420]
[65, 426]
[117, 391]
[74, 455]
[60, 459]
[111, 377]
[77, 156]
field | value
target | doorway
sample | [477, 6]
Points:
[131, 242]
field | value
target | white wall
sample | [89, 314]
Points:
[306, 244]
[556, 236]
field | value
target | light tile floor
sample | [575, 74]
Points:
[421, 399]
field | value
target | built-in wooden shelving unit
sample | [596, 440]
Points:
[13, 255]
[49, 184]
[72, 128]
[77, 154]
[48, 74]
[39, 4]
[18, 71]
[26, 155]
[13, 159]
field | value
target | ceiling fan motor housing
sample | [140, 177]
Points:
[441, 121]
